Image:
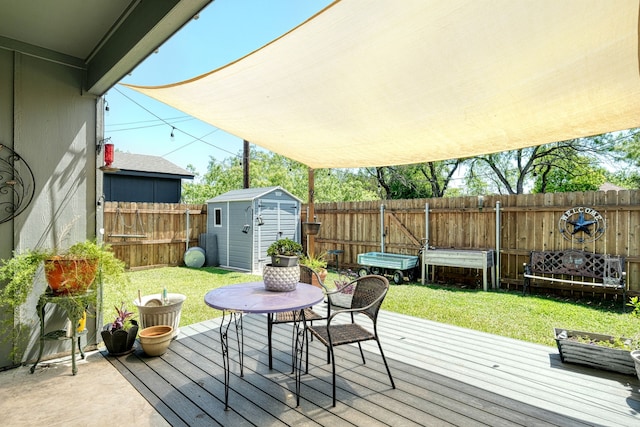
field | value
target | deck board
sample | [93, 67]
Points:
[445, 375]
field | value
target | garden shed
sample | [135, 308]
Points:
[246, 221]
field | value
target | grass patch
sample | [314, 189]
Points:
[528, 318]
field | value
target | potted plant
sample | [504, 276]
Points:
[19, 273]
[74, 270]
[120, 335]
[317, 263]
[284, 252]
[283, 274]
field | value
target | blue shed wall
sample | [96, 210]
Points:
[280, 215]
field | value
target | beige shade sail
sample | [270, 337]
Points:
[388, 82]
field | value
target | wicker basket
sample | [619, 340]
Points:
[281, 279]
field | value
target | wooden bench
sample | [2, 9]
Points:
[576, 268]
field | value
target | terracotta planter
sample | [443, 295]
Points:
[322, 274]
[70, 276]
[155, 340]
[119, 342]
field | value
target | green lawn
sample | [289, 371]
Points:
[529, 318]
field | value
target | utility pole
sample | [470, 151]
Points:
[245, 164]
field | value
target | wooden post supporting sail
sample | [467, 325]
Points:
[311, 215]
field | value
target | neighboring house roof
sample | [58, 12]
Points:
[246, 194]
[607, 186]
[142, 164]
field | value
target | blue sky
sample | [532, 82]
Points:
[225, 31]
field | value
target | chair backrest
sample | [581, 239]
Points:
[369, 289]
[307, 275]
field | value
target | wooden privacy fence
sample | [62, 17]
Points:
[152, 234]
[146, 234]
[527, 222]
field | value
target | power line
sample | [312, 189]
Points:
[177, 118]
[174, 128]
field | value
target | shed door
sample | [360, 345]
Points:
[280, 221]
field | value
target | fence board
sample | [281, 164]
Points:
[528, 222]
[164, 239]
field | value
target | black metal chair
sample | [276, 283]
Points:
[367, 298]
[307, 275]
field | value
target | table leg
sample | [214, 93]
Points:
[74, 369]
[41, 340]
[230, 317]
[298, 351]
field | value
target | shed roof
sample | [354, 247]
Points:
[248, 194]
[156, 165]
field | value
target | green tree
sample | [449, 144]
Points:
[512, 172]
[578, 173]
[423, 180]
[268, 169]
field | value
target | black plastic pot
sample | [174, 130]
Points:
[119, 342]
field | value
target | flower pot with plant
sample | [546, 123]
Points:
[19, 273]
[283, 274]
[74, 270]
[616, 354]
[317, 263]
[284, 252]
[120, 335]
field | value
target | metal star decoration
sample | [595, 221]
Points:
[581, 224]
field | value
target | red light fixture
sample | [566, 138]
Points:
[108, 155]
[108, 159]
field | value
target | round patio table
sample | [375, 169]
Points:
[252, 297]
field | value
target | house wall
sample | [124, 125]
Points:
[45, 118]
[126, 188]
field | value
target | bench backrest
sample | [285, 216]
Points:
[577, 263]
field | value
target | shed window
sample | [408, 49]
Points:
[217, 217]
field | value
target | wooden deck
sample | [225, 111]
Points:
[444, 375]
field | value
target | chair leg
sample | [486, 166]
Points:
[333, 367]
[384, 359]
[362, 354]
[269, 328]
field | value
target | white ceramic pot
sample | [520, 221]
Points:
[635, 355]
[281, 279]
[155, 340]
[152, 312]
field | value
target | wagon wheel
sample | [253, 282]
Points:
[412, 275]
[363, 271]
[376, 270]
[398, 277]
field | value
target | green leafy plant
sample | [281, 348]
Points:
[123, 319]
[18, 275]
[286, 247]
[18, 272]
[315, 262]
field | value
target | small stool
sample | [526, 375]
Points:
[336, 252]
